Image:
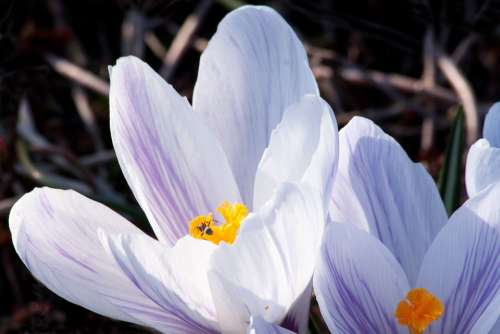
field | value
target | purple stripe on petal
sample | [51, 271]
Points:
[70, 257]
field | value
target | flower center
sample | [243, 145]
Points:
[203, 227]
[418, 310]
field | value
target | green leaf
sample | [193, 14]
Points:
[449, 177]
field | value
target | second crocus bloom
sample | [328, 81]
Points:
[391, 261]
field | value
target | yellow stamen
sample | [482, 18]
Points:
[418, 310]
[202, 227]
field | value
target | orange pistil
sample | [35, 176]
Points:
[418, 310]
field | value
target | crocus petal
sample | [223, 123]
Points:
[175, 278]
[303, 147]
[379, 188]
[271, 263]
[491, 128]
[462, 267]
[253, 68]
[260, 326]
[482, 167]
[55, 234]
[172, 162]
[358, 282]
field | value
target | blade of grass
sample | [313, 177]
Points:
[449, 177]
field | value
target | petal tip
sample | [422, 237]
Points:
[492, 124]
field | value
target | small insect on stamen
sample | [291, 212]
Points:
[203, 227]
[209, 231]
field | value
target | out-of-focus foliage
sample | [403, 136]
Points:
[450, 176]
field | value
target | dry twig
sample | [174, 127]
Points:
[428, 80]
[6, 204]
[183, 39]
[133, 34]
[87, 115]
[464, 92]
[78, 74]
[403, 83]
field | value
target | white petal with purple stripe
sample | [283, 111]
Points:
[358, 282]
[174, 278]
[55, 232]
[253, 68]
[380, 189]
[463, 266]
[172, 162]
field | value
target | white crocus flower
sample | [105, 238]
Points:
[260, 148]
[394, 263]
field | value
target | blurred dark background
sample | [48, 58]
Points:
[405, 64]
